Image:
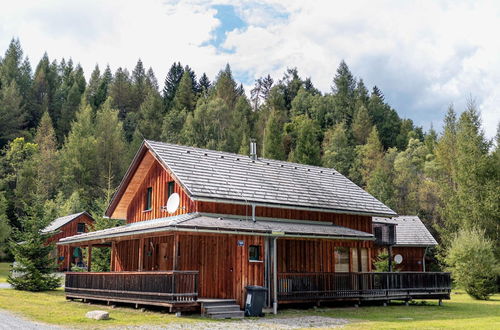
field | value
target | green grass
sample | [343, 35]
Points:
[460, 313]
[4, 271]
[51, 307]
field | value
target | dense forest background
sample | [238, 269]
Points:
[66, 142]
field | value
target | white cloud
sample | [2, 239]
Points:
[424, 56]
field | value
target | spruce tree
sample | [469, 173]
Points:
[46, 160]
[344, 85]
[151, 116]
[34, 269]
[361, 125]
[12, 117]
[273, 137]
[338, 153]
[172, 81]
[306, 147]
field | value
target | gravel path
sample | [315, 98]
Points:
[9, 321]
[315, 322]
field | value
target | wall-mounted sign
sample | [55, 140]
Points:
[398, 259]
[241, 243]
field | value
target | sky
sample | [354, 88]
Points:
[424, 56]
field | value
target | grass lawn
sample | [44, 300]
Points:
[459, 313]
[51, 307]
[4, 271]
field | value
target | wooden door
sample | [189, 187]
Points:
[163, 256]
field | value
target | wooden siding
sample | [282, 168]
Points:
[223, 265]
[69, 229]
[158, 179]
[313, 256]
[358, 222]
[412, 258]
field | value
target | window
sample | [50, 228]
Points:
[80, 227]
[149, 196]
[359, 259]
[170, 188]
[342, 259]
[254, 253]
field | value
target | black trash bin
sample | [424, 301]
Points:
[256, 297]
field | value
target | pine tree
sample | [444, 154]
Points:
[12, 116]
[204, 84]
[110, 145]
[226, 88]
[151, 116]
[46, 160]
[362, 125]
[139, 86]
[273, 137]
[344, 85]
[337, 151]
[92, 90]
[35, 268]
[172, 81]
[306, 147]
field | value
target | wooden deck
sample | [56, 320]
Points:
[295, 287]
[177, 290]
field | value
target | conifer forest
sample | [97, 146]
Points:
[66, 141]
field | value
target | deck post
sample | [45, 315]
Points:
[175, 260]
[275, 276]
[89, 257]
[112, 261]
[141, 254]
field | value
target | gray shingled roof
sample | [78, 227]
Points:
[410, 231]
[59, 222]
[221, 175]
[200, 222]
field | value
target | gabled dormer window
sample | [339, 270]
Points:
[149, 196]
[80, 228]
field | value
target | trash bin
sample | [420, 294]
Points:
[256, 297]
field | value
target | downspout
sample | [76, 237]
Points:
[423, 258]
[253, 212]
[275, 276]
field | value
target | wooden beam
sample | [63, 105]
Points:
[141, 254]
[89, 257]
[175, 260]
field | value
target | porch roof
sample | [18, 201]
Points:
[198, 222]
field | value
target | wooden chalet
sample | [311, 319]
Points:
[69, 225]
[303, 232]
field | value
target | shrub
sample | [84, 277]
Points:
[472, 262]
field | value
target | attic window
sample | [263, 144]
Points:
[149, 196]
[170, 188]
[80, 228]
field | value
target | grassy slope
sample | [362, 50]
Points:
[4, 271]
[459, 313]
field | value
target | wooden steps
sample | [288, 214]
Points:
[221, 309]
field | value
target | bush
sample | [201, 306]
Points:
[472, 263]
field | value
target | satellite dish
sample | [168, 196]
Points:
[173, 203]
[398, 259]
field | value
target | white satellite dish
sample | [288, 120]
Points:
[398, 259]
[173, 203]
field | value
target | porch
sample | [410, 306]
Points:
[178, 290]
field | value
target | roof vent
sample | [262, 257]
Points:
[189, 151]
[253, 149]
[238, 158]
[221, 156]
[205, 154]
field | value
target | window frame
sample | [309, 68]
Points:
[148, 203]
[170, 188]
[338, 258]
[251, 256]
[78, 227]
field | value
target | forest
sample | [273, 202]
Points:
[66, 142]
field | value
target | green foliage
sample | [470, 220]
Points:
[34, 265]
[381, 263]
[337, 151]
[472, 262]
[305, 140]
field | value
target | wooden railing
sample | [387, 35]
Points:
[318, 286]
[161, 286]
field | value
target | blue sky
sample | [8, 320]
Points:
[423, 56]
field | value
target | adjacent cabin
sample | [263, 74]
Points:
[204, 224]
[70, 225]
[411, 241]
